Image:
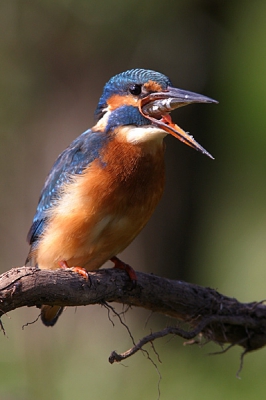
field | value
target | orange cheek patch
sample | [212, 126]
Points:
[152, 86]
[117, 101]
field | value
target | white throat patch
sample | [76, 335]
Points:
[141, 134]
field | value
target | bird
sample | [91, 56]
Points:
[104, 187]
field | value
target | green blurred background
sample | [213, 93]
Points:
[210, 227]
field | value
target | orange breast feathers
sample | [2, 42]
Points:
[102, 210]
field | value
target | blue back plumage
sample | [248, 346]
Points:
[81, 152]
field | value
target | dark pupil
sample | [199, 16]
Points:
[135, 90]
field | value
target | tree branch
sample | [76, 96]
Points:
[208, 313]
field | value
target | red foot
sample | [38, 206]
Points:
[78, 270]
[125, 267]
[63, 264]
[81, 271]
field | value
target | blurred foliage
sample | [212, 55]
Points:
[210, 227]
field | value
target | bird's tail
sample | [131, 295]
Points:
[50, 314]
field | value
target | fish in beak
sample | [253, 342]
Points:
[157, 107]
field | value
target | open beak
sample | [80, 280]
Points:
[157, 107]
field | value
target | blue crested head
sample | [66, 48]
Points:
[144, 99]
[129, 82]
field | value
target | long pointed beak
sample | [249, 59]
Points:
[157, 107]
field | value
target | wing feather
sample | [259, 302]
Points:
[72, 161]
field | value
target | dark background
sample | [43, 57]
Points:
[210, 227]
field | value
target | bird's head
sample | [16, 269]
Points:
[140, 101]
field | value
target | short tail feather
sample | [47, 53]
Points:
[50, 314]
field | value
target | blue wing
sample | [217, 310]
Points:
[81, 152]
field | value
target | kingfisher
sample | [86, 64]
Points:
[104, 187]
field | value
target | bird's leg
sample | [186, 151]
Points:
[78, 270]
[125, 267]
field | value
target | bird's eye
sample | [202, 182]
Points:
[135, 89]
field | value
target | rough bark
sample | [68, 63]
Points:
[205, 311]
